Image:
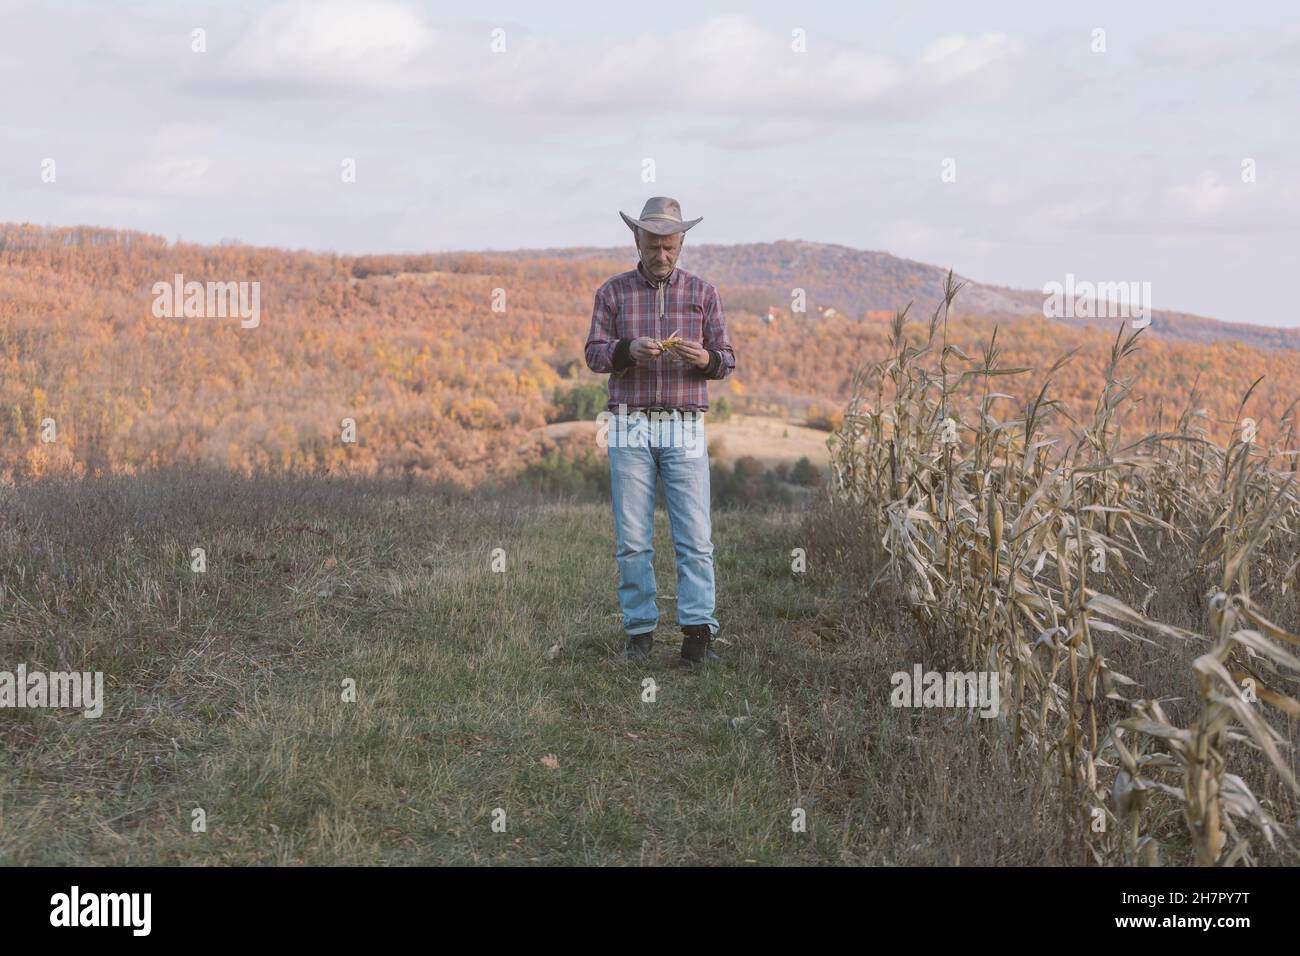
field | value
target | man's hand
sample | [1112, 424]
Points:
[644, 350]
[693, 354]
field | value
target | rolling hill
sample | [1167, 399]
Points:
[855, 282]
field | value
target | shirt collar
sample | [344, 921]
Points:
[648, 280]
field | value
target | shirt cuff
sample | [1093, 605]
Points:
[623, 355]
[715, 362]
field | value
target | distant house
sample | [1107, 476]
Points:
[827, 312]
[772, 315]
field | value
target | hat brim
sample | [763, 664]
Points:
[660, 227]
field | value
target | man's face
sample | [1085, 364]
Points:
[659, 253]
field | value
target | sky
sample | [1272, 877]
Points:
[1016, 143]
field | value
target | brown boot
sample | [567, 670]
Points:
[639, 645]
[697, 645]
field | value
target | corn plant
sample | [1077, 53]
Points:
[1021, 546]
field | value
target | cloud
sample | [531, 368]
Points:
[1202, 199]
[377, 46]
[725, 64]
[731, 64]
[1198, 50]
[178, 160]
[180, 174]
[1207, 203]
[956, 57]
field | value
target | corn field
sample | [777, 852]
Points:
[1033, 546]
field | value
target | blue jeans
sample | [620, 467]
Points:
[643, 447]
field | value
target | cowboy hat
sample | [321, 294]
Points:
[661, 216]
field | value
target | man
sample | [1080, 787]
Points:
[657, 400]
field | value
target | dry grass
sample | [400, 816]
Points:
[223, 688]
[768, 440]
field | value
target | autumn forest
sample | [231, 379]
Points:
[444, 364]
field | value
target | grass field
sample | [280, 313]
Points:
[224, 688]
[475, 690]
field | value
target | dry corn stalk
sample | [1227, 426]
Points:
[1020, 548]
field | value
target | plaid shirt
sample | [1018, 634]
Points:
[631, 305]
